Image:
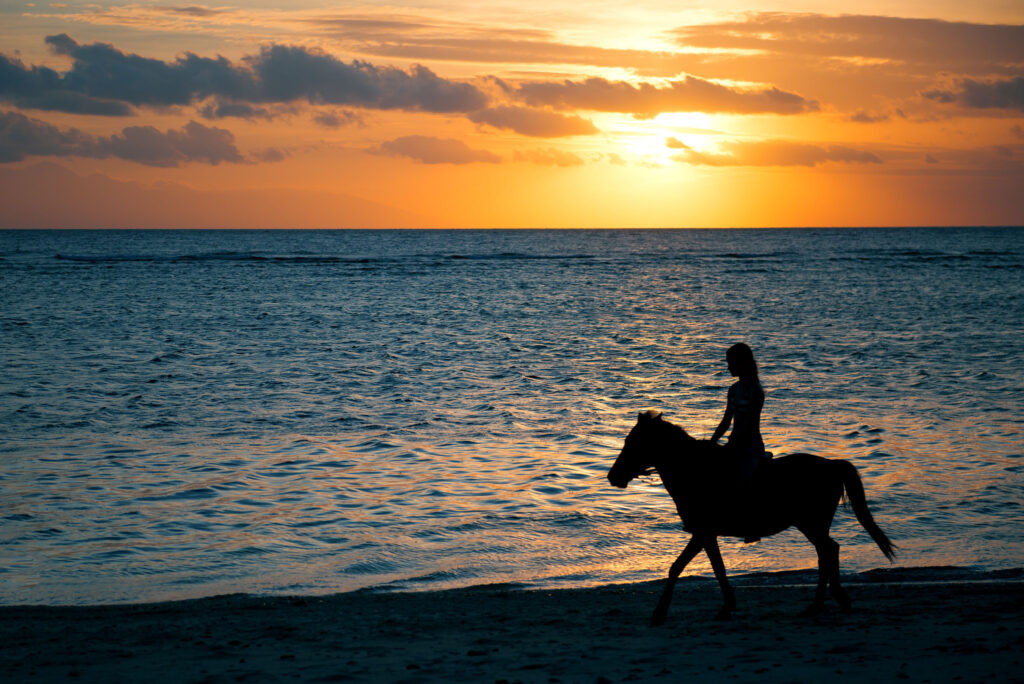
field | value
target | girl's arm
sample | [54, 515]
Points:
[724, 425]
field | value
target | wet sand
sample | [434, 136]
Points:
[905, 626]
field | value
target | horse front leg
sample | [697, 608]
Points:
[693, 547]
[715, 556]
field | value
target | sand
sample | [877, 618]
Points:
[901, 629]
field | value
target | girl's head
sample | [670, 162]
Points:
[741, 361]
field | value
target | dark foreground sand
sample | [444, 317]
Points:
[901, 629]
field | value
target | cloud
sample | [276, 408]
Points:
[105, 80]
[1002, 94]
[689, 94]
[776, 153]
[429, 150]
[22, 137]
[41, 88]
[862, 116]
[271, 154]
[221, 110]
[549, 157]
[338, 118]
[193, 11]
[537, 123]
[289, 73]
[918, 43]
[674, 143]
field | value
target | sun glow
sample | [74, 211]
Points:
[659, 139]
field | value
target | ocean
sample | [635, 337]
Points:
[189, 413]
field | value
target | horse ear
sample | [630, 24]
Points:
[655, 415]
[650, 415]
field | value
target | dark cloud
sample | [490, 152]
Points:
[429, 150]
[287, 73]
[1003, 94]
[537, 123]
[549, 157]
[105, 80]
[22, 137]
[42, 88]
[685, 95]
[102, 71]
[194, 142]
[222, 110]
[776, 153]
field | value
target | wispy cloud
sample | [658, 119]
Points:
[773, 153]
[916, 43]
[431, 150]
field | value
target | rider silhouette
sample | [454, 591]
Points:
[743, 411]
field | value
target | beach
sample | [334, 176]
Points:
[914, 625]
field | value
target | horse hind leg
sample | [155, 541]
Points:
[834, 586]
[828, 569]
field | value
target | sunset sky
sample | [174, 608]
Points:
[461, 113]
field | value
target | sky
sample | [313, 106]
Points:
[554, 113]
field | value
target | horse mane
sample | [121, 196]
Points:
[676, 430]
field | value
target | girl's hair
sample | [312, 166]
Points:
[743, 358]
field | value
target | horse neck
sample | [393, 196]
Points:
[675, 446]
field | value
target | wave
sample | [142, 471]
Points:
[220, 256]
[307, 259]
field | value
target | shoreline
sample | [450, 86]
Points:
[903, 626]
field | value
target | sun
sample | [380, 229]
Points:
[659, 139]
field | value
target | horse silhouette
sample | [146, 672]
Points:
[798, 490]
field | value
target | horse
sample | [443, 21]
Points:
[797, 490]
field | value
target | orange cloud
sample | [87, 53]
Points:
[537, 123]
[686, 95]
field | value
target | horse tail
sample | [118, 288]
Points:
[855, 494]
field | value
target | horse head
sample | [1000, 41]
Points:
[644, 444]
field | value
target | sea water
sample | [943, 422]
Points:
[186, 413]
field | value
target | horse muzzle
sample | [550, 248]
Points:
[617, 479]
